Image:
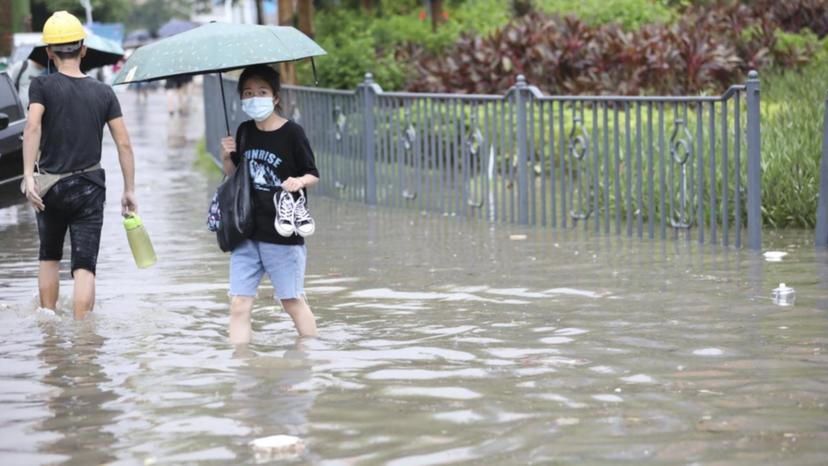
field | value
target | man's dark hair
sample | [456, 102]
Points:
[68, 55]
[263, 72]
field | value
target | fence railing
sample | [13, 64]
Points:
[822, 207]
[655, 167]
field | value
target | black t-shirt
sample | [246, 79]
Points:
[76, 111]
[274, 156]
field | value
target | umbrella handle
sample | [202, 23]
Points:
[315, 79]
[224, 104]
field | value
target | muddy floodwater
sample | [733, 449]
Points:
[442, 341]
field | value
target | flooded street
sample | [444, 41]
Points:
[442, 341]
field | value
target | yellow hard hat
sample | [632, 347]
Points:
[61, 28]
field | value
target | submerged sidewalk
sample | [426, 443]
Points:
[441, 340]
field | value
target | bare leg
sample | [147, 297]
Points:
[302, 316]
[182, 99]
[84, 298]
[171, 101]
[48, 283]
[240, 308]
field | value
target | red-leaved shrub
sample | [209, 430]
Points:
[708, 49]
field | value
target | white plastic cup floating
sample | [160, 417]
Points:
[783, 295]
[277, 447]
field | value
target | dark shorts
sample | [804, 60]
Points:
[75, 203]
[177, 82]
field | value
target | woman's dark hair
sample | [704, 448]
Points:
[263, 72]
[266, 74]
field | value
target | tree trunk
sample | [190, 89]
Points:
[6, 37]
[306, 17]
[260, 17]
[368, 5]
[286, 13]
[436, 14]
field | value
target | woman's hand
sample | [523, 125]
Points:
[228, 146]
[292, 184]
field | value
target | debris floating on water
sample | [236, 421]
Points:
[277, 447]
[774, 256]
[517, 237]
[783, 295]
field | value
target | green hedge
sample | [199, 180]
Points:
[357, 42]
[793, 112]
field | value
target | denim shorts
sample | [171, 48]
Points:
[285, 264]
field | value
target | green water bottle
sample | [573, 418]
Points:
[139, 241]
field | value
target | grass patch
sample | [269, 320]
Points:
[205, 162]
[793, 112]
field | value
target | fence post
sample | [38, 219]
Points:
[754, 192]
[822, 208]
[522, 151]
[369, 90]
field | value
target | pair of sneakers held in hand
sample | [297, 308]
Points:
[292, 215]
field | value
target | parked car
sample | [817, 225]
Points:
[12, 122]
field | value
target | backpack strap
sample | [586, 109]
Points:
[241, 139]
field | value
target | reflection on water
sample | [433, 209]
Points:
[77, 400]
[285, 383]
[442, 341]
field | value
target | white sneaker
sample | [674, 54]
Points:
[302, 221]
[285, 206]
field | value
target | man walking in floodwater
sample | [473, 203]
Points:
[67, 112]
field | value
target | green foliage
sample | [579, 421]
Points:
[482, 17]
[352, 51]
[401, 29]
[804, 40]
[357, 43]
[793, 112]
[205, 162]
[630, 14]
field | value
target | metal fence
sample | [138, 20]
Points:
[822, 207]
[654, 167]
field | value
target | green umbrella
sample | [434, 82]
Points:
[100, 51]
[214, 48]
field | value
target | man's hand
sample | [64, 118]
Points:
[129, 205]
[32, 196]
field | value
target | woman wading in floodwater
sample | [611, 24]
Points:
[281, 166]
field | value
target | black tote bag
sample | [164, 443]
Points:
[235, 202]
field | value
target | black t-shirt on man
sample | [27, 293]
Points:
[274, 156]
[76, 111]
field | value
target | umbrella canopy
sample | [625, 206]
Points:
[175, 26]
[216, 47]
[99, 52]
[137, 38]
[21, 52]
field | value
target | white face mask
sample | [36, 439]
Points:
[258, 108]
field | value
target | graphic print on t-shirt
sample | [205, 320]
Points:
[263, 169]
